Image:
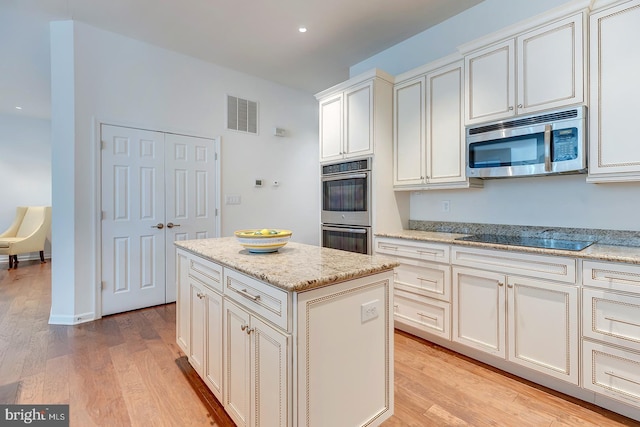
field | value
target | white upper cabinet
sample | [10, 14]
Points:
[537, 70]
[614, 153]
[353, 115]
[428, 130]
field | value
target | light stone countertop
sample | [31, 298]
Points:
[599, 252]
[295, 267]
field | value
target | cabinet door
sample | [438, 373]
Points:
[490, 83]
[547, 343]
[213, 358]
[197, 335]
[408, 153]
[445, 130]
[479, 310]
[614, 153]
[270, 376]
[358, 120]
[331, 128]
[550, 66]
[236, 363]
[183, 302]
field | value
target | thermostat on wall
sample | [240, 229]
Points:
[279, 132]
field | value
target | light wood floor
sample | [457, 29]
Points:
[126, 370]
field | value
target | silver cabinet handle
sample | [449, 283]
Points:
[200, 295]
[435, 319]
[249, 330]
[520, 105]
[246, 294]
[243, 327]
[511, 108]
[171, 225]
[547, 148]
[612, 374]
[611, 319]
[159, 226]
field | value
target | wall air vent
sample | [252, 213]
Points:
[242, 115]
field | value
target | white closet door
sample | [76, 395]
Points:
[133, 211]
[156, 188]
[190, 171]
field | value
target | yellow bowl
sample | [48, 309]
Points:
[263, 240]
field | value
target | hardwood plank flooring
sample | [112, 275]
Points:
[127, 370]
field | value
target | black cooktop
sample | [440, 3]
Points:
[532, 242]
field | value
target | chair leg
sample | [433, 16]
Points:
[15, 261]
[10, 262]
[42, 257]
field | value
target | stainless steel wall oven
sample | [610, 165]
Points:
[346, 205]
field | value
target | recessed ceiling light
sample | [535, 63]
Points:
[302, 29]
[18, 108]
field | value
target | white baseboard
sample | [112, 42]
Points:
[65, 319]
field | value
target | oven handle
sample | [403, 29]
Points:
[346, 230]
[348, 176]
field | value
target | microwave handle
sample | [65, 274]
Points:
[547, 148]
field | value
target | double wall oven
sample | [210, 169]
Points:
[346, 205]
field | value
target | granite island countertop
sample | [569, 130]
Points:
[597, 251]
[295, 267]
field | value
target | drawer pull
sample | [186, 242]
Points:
[621, 378]
[620, 279]
[423, 252]
[622, 321]
[435, 319]
[393, 248]
[246, 294]
[200, 295]
[422, 279]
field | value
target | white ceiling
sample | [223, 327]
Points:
[258, 37]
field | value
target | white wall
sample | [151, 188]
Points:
[563, 201]
[25, 165]
[123, 81]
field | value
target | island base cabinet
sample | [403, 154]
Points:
[348, 343]
[258, 372]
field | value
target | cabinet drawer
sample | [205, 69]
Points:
[272, 303]
[539, 266]
[612, 372]
[209, 273]
[425, 314]
[611, 317]
[413, 249]
[426, 279]
[614, 276]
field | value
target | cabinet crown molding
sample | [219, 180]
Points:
[367, 75]
[516, 29]
[429, 67]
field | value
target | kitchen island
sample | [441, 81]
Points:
[299, 337]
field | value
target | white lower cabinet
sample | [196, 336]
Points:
[422, 286]
[257, 370]
[199, 318]
[285, 359]
[611, 330]
[527, 321]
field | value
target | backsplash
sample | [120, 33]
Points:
[603, 237]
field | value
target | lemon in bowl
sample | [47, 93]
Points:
[263, 240]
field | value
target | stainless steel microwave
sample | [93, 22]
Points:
[552, 142]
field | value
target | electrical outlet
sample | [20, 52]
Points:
[233, 199]
[446, 205]
[370, 310]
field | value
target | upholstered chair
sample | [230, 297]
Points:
[28, 233]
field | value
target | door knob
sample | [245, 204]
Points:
[159, 226]
[171, 225]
